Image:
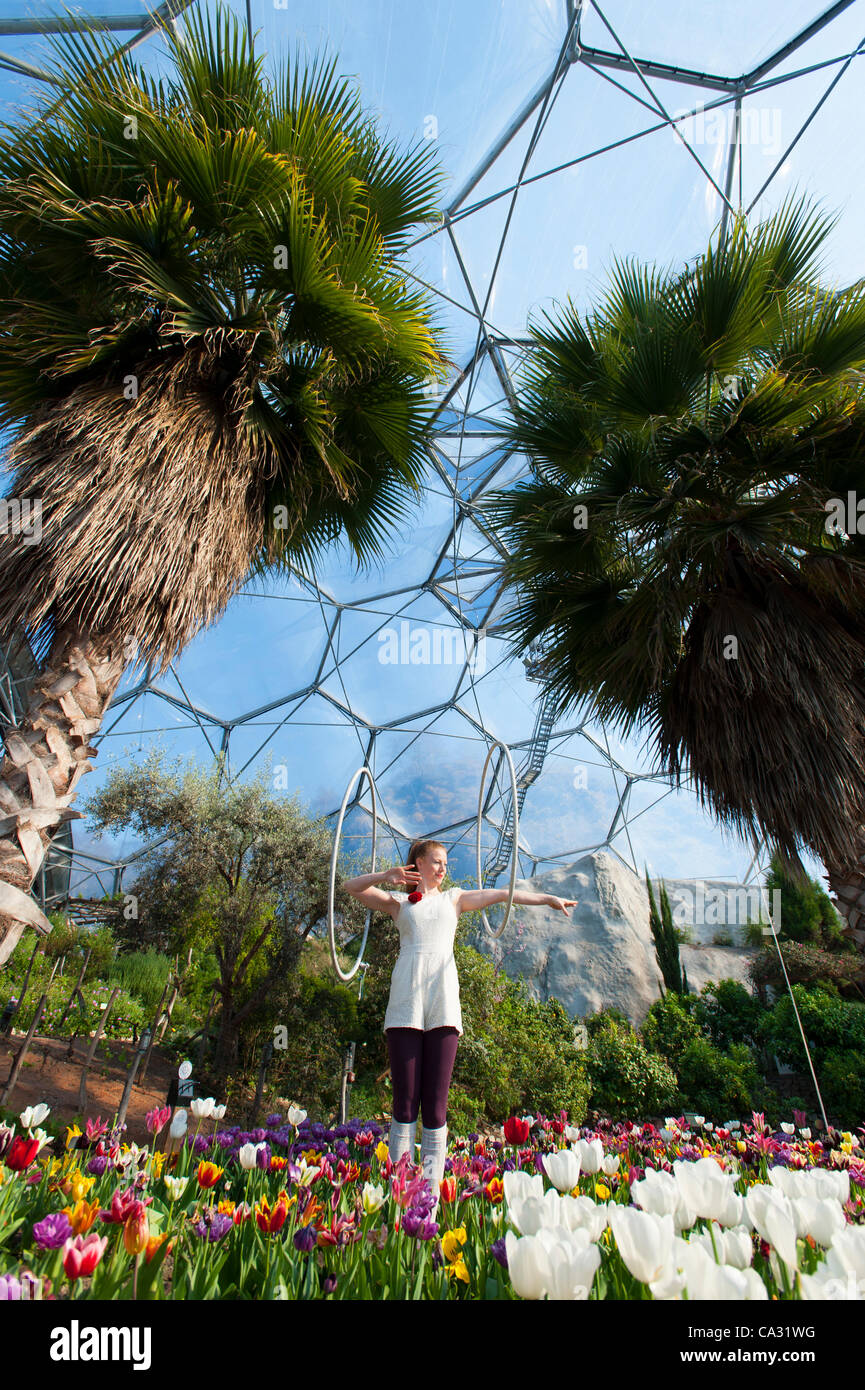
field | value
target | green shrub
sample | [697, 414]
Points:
[719, 1084]
[144, 974]
[669, 1026]
[727, 1013]
[842, 1083]
[626, 1079]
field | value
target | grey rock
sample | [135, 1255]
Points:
[603, 954]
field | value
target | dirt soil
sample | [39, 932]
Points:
[48, 1075]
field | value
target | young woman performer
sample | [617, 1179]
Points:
[423, 1022]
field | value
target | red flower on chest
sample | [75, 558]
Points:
[415, 897]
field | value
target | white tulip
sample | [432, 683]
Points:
[732, 1213]
[572, 1134]
[644, 1241]
[573, 1264]
[176, 1186]
[756, 1289]
[821, 1182]
[528, 1265]
[610, 1164]
[772, 1216]
[247, 1155]
[699, 1119]
[218, 1112]
[790, 1181]
[34, 1115]
[202, 1109]
[296, 1116]
[658, 1192]
[704, 1278]
[562, 1169]
[528, 1214]
[636, 1132]
[818, 1217]
[584, 1214]
[518, 1184]
[372, 1197]
[668, 1135]
[805, 1133]
[591, 1154]
[178, 1124]
[733, 1247]
[788, 1129]
[704, 1186]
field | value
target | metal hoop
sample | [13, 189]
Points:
[331, 927]
[515, 850]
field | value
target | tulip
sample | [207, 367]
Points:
[218, 1112]
[34, 1115]
[156, 1120]
[82, 1216]
[518, 1184]
[528, 1265]
[208, 1174]
[248, 1155]
[176, 1186]
[82, 1254]
[136, 1232]
[178, 1124]
[610, 1164]
[270, 1220]
[820, 1218]
[704, 1186]
[772, 1215]
[373, 1198]
[202, 1109]
[591, 1154]
[448, 1189]
[563, 1169]
[516, 1131]
[644, 1241]
[573, 1264]
[21, 1153]
[10, 1288]
[296, 1116]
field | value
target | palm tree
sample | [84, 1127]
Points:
[673, 549]
[212, 363]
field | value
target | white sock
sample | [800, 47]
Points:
[433, 1151]
[401, 1139]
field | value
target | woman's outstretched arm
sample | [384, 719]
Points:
[471, 899]
[363, 887]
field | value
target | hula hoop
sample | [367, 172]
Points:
[331, 926]
[514, 851]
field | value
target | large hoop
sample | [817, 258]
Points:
[331, 926]
[496, 932]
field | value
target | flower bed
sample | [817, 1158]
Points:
[295, 1210]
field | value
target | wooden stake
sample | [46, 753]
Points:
[24, 1049]
[91, 1051]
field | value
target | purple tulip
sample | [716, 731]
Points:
[415, 1222]
[6, 1137]
[213, 1227]
[499, 1252]
[53, 1231]
[329, 1283]
[305, 1239]
[97, 1164]
[10, 1288]
[262, 1157]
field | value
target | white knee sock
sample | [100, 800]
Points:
[433, 1151]
[401, 1139]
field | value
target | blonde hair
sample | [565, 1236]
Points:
[419, 849]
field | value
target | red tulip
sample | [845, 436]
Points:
[516, 1130]
[21, 1154]
[82, 1255]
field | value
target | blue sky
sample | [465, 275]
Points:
[456, 72]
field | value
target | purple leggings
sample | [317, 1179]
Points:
[421, 1065]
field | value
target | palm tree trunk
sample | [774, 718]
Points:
[848, 886]
[46, 757]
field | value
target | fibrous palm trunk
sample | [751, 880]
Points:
[46, 757]
[847, 883]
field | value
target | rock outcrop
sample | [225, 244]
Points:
[603, 954]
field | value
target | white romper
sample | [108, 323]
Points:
[424, 986]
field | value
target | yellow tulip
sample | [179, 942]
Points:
[459, 1269]
[451, 1242]
[81, 1216]
[381, 1151]
[601, 1191]
[72, 1132]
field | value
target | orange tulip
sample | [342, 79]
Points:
[494, 1190]
[208, 1174]
[82, 1216]
[136, 1232]
[448, 1189]
[154, 1244]
[270, 1221]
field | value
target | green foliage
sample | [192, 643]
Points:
[670, 1026]
[842, 1082]
[727, 1013]
[626, 1079]
[807, 914]
[829, 1021]
[666, 939]
[718, 1082]
[144, 974]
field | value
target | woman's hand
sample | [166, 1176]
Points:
[560, 904]
[405, 875]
